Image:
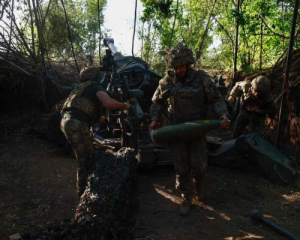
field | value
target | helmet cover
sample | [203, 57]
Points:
[88, 74]
[179, 55]
[261, 84]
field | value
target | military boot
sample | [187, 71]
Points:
[185, 207]
[200, 186]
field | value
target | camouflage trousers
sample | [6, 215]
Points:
[78, 134]
[190, 162]
[243, 120]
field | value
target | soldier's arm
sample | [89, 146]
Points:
[214, 97]
[109, 102]
[237, 90]
[157, 106]
[269, 109]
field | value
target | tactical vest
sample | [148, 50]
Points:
[186, 102]
[249, 99]
[76, 101]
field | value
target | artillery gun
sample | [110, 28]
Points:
[127, 79]
[130, 79]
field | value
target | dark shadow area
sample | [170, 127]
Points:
[38, 192]
[232, 195]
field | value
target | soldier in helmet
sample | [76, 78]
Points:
[78, 112]
[256, 101]
[187, 93]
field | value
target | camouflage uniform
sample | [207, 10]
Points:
[79, 135]
[186, 101]
[78, 113]
[265, 103]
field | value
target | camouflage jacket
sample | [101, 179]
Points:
[77, 101]
[188, 100]
[266, 104]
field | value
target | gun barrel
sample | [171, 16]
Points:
[109, 42]
[183, 131]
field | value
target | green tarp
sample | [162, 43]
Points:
[129, 64]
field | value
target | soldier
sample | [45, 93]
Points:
[256, 101]
[78, 113]
[187, 93]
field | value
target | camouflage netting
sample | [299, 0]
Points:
[106, 199]
[289, 136]
[103, 210]
[179, 55]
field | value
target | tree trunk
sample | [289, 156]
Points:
[99, 23]
[70, 36]
[287, 83]
[132, 50]
[40, 33]
[198, 55]
[142, 41]
[41, 70]
[20, 36]
[236, 45]
[170, 43]
[11, 27]
[32, 28]
[261, 45]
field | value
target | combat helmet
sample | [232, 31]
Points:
[88, 74]
[261, 84]
[179, 55]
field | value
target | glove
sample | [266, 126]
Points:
[131, 112]
[225, 121]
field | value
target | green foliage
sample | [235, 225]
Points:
[83, 20]
[159, 8]
[264, 30]
[260, 21]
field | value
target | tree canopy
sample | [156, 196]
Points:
[70, 30]
[208, 28]
[51, 29]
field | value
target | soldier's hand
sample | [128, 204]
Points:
[225, 121]
[231, 99]
[129, 110]
[153, 125]
[126, 106]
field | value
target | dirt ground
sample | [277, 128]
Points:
[37, 190]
